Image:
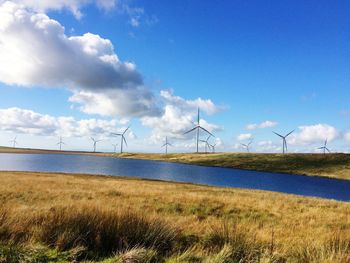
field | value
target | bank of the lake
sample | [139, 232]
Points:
[65, 217]
[330, 165]
[335, 165]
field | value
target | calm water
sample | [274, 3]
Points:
[287, 183]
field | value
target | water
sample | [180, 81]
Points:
[286, 183]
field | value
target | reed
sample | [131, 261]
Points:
[63, 218]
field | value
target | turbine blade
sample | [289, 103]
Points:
[125, 141]
[328, 150]
[126, 130]
[191, 130]
[116, 134]
[278, 134]
[289, 133]
[206, 130]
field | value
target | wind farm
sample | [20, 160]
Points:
[136, 131]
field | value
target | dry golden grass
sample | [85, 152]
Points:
[201, 219]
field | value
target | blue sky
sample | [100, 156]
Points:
[285, 62]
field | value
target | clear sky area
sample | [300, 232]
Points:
[82, 68]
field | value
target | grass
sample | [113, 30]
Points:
[330, 165]
[48, 217]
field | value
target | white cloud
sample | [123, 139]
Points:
[263, 125]
[347, 136]
[135, 102]
[73, 6]
[313, 134]
[85, 64]
[205, 105]
[179, 116]
[244, 136]
[268, 146]
[22, 121]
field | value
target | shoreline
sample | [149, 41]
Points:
[332, 166]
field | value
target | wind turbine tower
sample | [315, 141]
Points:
[284, 146]
[197, 128]
[115, 146]
[166, 144]
[122, 138]
[95, 142]
[60, 143]
[324, 148]
[246, 146]
[207, 145]
[14, 142]
[213, 147]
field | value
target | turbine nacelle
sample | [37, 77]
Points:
[122, 138]
[324, 147]
[197, 128]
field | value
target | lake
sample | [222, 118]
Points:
[227, 177]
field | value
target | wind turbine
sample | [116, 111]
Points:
[247, 145]
[324, 148]
[60, 143]
[115, 146]
[166, 144]
[285, 148]
[14, 141]
[122, 138]
[95, 142]
[207, 145]
[197, 128]
[213, 147]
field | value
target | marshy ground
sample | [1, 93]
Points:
[46, 217]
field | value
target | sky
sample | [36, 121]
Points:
[83, 68]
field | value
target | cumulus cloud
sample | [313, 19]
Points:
[36, 51]
[263, 125]
[205, 105]
[25, 121]
[314, 133]
[268, 146]
[179, 116]
[73, 6]
[347, 136]
[244, 136]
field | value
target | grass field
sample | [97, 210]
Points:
[330, 165]
[63, 218]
